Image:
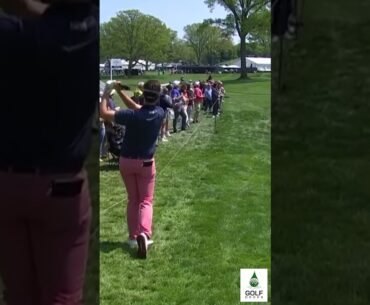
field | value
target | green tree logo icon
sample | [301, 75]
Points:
[254, 280]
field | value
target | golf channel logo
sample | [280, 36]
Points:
[253, 285]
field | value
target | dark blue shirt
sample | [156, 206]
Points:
[175, 93]
[50, 86]
[165, 102]
[142, 129]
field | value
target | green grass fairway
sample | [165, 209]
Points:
[320, 210]
[211, 208]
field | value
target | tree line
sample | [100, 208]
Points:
[133, 35]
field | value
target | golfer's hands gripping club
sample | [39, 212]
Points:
[119, 86]
[113, 84]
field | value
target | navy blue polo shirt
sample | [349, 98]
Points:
[49, 86]
[142, 129]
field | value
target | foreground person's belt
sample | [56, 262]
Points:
[38, 170]
[138, 157]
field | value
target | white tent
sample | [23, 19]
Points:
[263, 64]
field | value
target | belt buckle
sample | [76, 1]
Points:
[147, 163]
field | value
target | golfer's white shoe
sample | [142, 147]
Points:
[142, 243]
[132, 243]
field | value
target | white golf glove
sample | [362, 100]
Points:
[109, 86]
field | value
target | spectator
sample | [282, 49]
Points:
[208, 98]
[222, 93]
[111, 104]
[198, 101]
[166, 103]
[189, 109]
[178, 108]
[185, 101]
[215, 100]
[101, 134]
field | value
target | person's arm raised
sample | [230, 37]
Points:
[125, 98]
[105, 113]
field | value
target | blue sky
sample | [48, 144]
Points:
[175, 14]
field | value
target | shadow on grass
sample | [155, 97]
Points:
[245, 81]
[109, 246]
[109, 166]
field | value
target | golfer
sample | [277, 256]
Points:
[45, 207]
[137, 165]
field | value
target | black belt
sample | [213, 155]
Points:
[39, 170]
[138, 157]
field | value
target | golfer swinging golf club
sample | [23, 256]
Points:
[137, 165]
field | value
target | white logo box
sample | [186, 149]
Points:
[255, 293]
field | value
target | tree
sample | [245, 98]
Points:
[108, 47]
[156, 39]
[202, 37]
[179, 50]
[124, 34]
[226, 50]
[243, 12]
[133, 36]
[226, 25]
[260, 36]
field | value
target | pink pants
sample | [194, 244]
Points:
[44, 238]
[139, 181]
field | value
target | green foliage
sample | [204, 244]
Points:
[133, 36]
[203, 38]
[179, 50]
[260, 37]
[246, 20]
[226, 25]
[321, 136]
